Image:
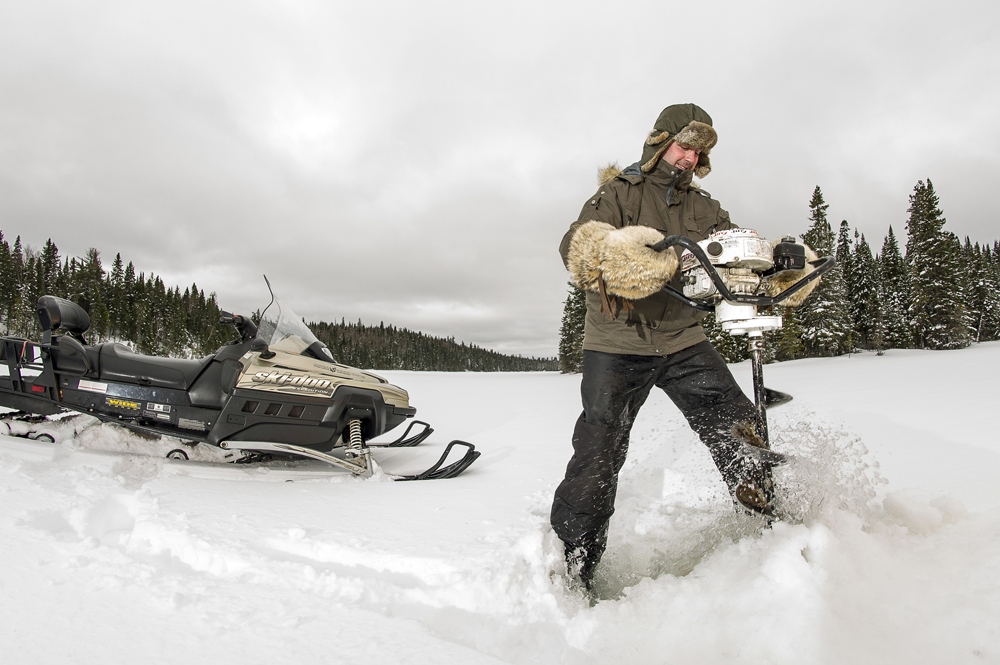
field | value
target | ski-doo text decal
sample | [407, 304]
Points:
[123, 404]
[295, 382]
[93, 386]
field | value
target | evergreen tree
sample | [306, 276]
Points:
[787, 341]
[13, 288]
[571, 331]
[116, 298]
[825, 316]
[845, 259]
[869, 324]
[50, 268]
[127, 328]
[7, 284]
[937, 308]
[986, 290]
[893, 290]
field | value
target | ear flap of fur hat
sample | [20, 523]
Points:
[783, 280]
[683, 123]
[629, 267]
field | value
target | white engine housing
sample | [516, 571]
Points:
[735, 248]
[739, 256]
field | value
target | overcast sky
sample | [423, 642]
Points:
[418, 162]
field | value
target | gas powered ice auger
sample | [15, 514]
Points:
[727, 273]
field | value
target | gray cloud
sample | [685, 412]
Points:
[417, 163]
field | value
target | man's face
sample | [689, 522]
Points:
[682, 156]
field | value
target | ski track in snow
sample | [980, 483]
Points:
[889, 551]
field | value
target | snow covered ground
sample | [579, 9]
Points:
[890, 554]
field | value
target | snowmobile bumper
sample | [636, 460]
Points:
[407, 441]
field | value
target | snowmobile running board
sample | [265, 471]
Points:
[361, 465]
[364, 469]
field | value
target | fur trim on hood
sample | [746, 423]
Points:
[606, 174]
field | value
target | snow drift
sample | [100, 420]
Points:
[889, 553]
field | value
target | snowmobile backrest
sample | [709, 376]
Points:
[61, 314]
[70, 357]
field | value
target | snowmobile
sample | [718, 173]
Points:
[731, 273]
[276, 391]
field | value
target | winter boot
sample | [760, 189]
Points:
[754, 489]
[582, 558]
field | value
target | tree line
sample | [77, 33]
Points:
[138, 309]
[941, 293]
[123, 305]
[388, 347]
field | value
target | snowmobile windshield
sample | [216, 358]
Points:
[284, 330]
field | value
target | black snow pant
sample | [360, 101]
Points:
[614, 387]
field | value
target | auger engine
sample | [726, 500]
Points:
[744, 262]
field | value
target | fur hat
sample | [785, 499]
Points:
[681, 123]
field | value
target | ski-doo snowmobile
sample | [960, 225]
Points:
[277, 391]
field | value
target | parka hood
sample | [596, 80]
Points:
[680, 123]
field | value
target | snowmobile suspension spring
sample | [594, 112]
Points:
[356, 443]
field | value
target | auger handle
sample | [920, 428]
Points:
[821, 265]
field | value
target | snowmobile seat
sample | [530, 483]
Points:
[61, 314]
[120, 364]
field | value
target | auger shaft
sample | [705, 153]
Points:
[756, 348]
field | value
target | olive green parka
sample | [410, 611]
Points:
[659, 324]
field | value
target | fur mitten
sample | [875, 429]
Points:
[783, 280]
[623, 257]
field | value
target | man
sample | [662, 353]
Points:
[637, 336]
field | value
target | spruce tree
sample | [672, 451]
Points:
[824, 316]
[868, 315]
[987, 288]
[7, 284]
[894, 290]
[937, 308]
[787, 342]
[571, 331]
[50, 268]
[845, 259]
[116, 298]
